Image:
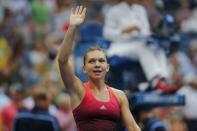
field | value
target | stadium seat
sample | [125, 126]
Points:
[90, 32]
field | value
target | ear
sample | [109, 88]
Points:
[84, 69]
[107, 69]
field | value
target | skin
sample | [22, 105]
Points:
[95, 67]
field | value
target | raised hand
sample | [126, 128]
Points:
[77, 15]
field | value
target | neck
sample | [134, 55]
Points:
[97, 85]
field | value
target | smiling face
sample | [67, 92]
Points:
[95, 64]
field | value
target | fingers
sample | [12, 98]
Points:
[72, 11]
[84, 11]
[79, 10]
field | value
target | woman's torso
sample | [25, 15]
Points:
[93, 114]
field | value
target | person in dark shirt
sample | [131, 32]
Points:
[148, 121]
[38, 119]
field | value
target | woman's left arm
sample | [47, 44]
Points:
[126, 116]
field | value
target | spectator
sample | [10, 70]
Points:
[61, 16]
[181, 65]
[107, 5]
[19, 61]
[64, 114]
[40, 18]
[29, 101]
[39, 118]
[153, 14]
[149, 121]
[128, 33]
[183, 12]
[39, 57]
[178, 125]
[4, 98]
[10, 111]
[189, 25]
[4, 59]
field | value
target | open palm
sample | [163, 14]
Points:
[77, 15]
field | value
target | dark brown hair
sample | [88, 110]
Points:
[94, 48]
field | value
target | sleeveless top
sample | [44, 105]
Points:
[95, 115]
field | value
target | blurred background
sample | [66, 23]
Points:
[31, 32]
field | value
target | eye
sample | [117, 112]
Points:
[91, 61]
[102, 60]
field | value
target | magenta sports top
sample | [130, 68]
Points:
[95, 115]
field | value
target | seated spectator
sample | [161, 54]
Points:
[10, 111]
[148, 120]
[107, 5]
[4, 58]
[188, 25]
[178, 125]
[38, 119]
[153, 13]
[40, 18]
[181, 66]
[61, 16]
[128, 33]
[64, 114]
[29, 101]
[183, 12]
[4, 98]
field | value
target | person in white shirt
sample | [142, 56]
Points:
[127, 27]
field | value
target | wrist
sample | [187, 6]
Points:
[73, 26]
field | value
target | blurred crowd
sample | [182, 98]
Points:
[31, 32]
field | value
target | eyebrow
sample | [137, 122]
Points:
[97, 58]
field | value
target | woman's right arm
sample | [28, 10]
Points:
[71, 82]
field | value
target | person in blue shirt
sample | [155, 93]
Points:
[38, 119]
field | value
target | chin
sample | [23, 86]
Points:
[97, 77]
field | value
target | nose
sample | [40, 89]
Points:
[97, 63]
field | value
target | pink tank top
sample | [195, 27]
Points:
[95, 115]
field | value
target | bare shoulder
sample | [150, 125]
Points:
[119, 94]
